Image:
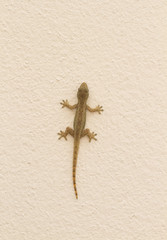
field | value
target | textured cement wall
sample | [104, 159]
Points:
[47, 48]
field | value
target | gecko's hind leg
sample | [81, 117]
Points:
[67, 131]
[86, 132]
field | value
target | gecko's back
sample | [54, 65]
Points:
[79, 124]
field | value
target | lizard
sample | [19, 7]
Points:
[79, 130]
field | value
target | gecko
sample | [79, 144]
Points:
[79, 130]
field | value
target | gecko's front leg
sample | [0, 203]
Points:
[98, 109]
[67, 131]
[65, 103]
[86, 132]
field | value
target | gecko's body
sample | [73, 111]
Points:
[79, 124]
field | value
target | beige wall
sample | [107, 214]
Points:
[47, 48]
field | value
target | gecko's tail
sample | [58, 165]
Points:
[75, 188]
[75, 155]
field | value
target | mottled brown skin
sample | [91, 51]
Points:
[79, 130]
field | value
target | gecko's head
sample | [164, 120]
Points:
[83, 91]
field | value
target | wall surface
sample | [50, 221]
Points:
[47, 49]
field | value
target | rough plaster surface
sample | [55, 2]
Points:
[47, 49]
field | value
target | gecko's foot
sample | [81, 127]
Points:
[99, 109]
[92, 136]
[64, 103]
[62, 134]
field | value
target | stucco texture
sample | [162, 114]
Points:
[47, 49]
